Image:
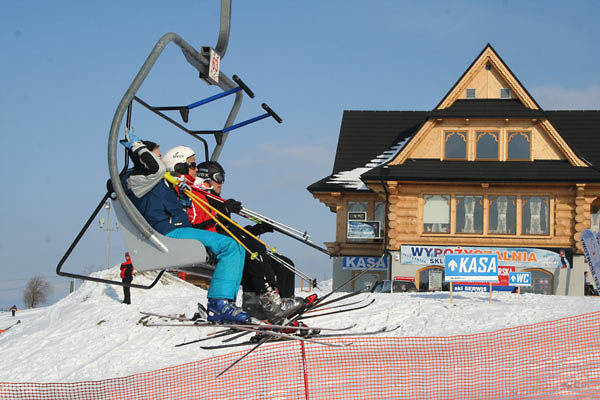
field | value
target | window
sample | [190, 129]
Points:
[519, 146]
[542, 282]
[455, 145]
[505, 93]
[499, 210]
[469, 214]
[436, 214]
[595, 216]
[486, 146]
[535, 215]
[379, 215]
[502, 215]
[471, 93]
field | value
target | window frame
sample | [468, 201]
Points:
[509, 134]
[482, 133]
[448, 133]
[519, 228]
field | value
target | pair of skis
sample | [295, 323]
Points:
[278, 331]
[319, 302]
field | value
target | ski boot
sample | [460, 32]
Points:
[225, 311]
[277, 308]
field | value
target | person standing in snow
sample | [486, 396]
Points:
[13, 309]
[127, 277]
[161, 208]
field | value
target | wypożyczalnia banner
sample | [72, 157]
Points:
[522, 257]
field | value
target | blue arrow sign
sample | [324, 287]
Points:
[519, 278]
[471, 267]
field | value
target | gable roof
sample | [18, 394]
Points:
[489, 56]
[371, 143]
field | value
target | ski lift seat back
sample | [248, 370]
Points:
[187, 255]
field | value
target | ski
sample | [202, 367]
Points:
[226, 332]
[334, 307]
[254, 341]
[320, 303]
[262, 327]
[16, 323]
[337, 311]
[310, 307]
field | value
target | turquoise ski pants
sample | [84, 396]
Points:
[227, 276]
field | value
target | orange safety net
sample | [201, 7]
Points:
[550, 360]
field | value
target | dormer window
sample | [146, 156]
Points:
[486, 146]
[471, 93]
[455, 145]
[519, 146]
[505, 93]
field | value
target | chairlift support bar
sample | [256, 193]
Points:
[85, 228]
[269, 113]
[195, 134]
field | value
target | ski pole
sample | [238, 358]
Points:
[193, 196]
[174, 181]
[277, 226]
[196, 201]
[292, 268]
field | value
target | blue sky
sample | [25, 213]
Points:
[65, 66]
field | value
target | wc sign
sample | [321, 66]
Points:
[471, 267]
[519, 278]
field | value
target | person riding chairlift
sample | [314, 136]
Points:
[159, 205]
[261, 297]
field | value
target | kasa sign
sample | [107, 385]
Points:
[360, 263]
[471, 267]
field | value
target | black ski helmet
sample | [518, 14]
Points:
[211, 170]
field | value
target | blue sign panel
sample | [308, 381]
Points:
[471, 267]
[519, 278]
[360, 263]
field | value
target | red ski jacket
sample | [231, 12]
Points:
[198, 217]
[127, 269]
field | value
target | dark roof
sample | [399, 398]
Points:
[581, 130]
[483, 171]
[487, 108]
[366, 134]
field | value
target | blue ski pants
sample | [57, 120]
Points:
[227, 276]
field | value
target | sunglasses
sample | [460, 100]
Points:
[191, 165]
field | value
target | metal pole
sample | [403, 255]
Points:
[107, 206]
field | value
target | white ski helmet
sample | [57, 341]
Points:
[176, 155]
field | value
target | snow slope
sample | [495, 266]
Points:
[90, 335]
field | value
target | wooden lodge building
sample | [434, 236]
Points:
[487, 170]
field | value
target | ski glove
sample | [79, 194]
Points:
[132, 142]
[185, 201]
[259, 229]
[232, 206]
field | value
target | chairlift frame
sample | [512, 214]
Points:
[134, 227]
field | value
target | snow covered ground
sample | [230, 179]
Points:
[90, 335]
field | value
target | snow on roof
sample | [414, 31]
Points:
[351, 179]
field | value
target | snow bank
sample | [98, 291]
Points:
[90, 335]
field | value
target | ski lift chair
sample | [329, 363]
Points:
[148, 249]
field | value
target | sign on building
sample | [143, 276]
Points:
[471, 267]
[520, 278]
[360, 263]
